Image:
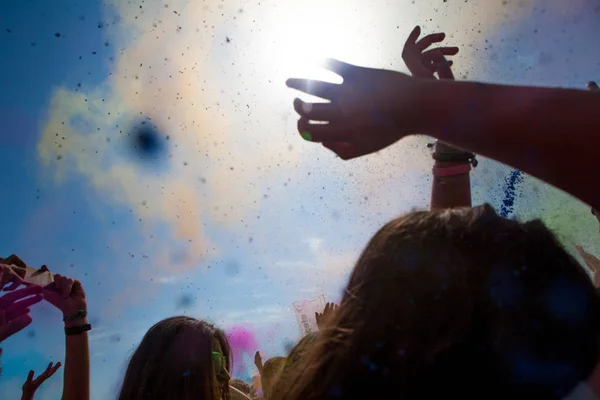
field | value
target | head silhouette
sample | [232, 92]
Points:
[459, 303]
[179, 358]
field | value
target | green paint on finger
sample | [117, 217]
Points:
[306, 136]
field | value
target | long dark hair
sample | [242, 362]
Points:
[456, 303]
[175, 361]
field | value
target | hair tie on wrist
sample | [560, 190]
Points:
[77, 330]
[451, 171]
[80, 314]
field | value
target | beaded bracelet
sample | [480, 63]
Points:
[80, 314]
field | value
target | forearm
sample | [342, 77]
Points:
[77, 365]
[548, 133]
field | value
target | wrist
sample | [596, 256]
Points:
[431, 101]
[77, 322]
[75, 312]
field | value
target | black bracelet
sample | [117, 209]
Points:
[466, 158]
[76, 330]
[81, 314]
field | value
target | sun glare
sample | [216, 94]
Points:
[299, 38]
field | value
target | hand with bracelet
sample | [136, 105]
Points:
[68, 296]
[451, 182]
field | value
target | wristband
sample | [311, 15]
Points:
[80, 314]
[467, 158]
[451, 171]
[77, 330]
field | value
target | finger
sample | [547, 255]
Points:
[66, 286]
[17, 313]
[446, 51]
[14, 326]
[43, 376]
[437, 55]
[339, 67]
[414, 35]
[28, 302]
[29, 377]
[22, 307]
[53, 297]
[55, 368]
[11, 297]
[345, 151]
[316, 111]
[593, 86]
[442, 66]
[77, 289]
[321, 89]
[321, 132]
[416, 67]
[49, 367]
[428, 40]
[14, 285]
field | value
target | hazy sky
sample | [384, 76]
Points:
[238, 217]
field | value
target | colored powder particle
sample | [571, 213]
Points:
[242, 341]
[512, 190]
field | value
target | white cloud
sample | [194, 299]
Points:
[166, 280]
[315, 244]
[256, 316]
[334, 265]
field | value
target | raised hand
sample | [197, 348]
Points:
[66, 294]
[15, 308]
[325, 316]
[370, 110]
[258, 362]
[31, 385]
[423, 63]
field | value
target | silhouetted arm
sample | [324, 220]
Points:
[551, 134]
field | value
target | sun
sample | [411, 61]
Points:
[300, 35]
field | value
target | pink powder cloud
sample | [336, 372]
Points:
[242, 341]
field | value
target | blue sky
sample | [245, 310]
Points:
[242, 217]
